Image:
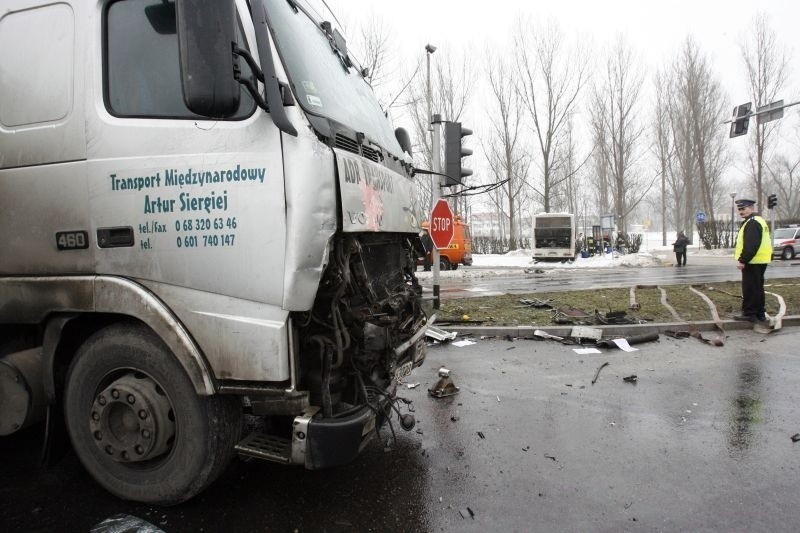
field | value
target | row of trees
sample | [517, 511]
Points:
[543, 99]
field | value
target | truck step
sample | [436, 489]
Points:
[264, 446]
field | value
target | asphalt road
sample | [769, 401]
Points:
[701, 442]
[544, 279]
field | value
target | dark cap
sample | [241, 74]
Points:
[745, 203]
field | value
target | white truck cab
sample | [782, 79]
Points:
[206, 215]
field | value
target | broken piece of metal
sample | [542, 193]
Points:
[440, 334]
[545, 335]
[795, 437]
[597, 374]
[586, 332]
[633, 378]
[445, 386]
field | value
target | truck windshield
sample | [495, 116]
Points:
[319, 77]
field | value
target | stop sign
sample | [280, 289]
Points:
[441, 224]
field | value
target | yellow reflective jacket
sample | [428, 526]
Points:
[753, 251]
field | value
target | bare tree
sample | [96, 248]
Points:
[374, 40]
[689, 142]
[551, 74]
[784, 178]
[767, 65]
[662, 145]
[505, 154]
[615, 119]
[705, 103]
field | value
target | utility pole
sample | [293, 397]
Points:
[436, 158]
[436, 193]
[733, 223]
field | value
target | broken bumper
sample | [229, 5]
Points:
[337, 441]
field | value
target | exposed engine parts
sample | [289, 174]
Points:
[366, 308]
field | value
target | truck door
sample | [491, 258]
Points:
[176, 198]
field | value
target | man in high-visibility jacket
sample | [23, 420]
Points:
[753, 253]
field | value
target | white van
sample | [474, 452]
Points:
[206, 214]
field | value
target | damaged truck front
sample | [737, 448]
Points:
[211, 221]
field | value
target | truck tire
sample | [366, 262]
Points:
[454, 266]
[444, 263]
[136, 422]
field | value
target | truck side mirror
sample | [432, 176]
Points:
[206, 31]
[403, 139]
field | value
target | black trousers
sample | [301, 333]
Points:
[753, 290]
[680, 258]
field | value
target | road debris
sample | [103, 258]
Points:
[535, 303]
[466, 512]
[626, 342]
[551, 457]
[445, 386]
[694, 332]
[795, 437]
[481, 435]
[412, 385]
[571, 315]
[440, 334]
[676, 334]
[615, 317]
[597, 374]
[630, 379]
[584, 332]
[464, 342]
[584, 351]
[455, 418]
[526, 448]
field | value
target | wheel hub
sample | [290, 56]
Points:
[132, 420]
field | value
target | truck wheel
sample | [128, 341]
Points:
[788, 253]
[454, 266]
[136, 422]
[444, 263]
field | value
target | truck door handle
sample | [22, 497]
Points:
[115, 237]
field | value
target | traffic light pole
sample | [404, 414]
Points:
[436, 192]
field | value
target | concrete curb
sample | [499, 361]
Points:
[623, 330]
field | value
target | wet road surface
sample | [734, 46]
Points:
[701, 442]
[711, 270]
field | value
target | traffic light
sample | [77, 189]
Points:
[453, 152]
[742, 120]
[772, 201]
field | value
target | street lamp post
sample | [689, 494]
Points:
[733, 223]
[429, 50]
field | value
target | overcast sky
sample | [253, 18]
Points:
[655, 30]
